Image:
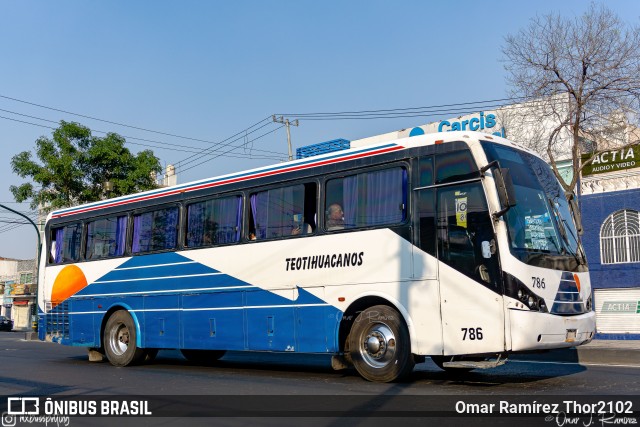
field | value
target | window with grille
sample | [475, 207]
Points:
[620, 237]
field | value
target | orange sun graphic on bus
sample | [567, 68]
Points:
[69, 281]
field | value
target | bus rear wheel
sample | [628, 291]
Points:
[379, 345]
[120, 340]
[202, 357]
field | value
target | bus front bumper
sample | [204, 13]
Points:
[543, 331]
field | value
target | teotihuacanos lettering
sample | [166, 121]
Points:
[349, 259]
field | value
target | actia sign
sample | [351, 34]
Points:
[612, 161]
[621, 307]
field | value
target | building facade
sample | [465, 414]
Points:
[610, 205]
[18, 291]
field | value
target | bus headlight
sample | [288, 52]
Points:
[589, 304]
[515, 288]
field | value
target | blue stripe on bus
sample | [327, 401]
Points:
[163, 284]
[158, 271]
[155, 259]
[189, 316]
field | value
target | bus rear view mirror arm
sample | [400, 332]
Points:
[504, 185]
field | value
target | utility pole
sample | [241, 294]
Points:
[287, 123]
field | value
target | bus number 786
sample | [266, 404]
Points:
[472, 333]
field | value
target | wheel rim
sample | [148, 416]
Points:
[119, 339]
[378, 346]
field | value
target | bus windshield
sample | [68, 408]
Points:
[541, 221]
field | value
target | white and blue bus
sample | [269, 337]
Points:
[459, 246]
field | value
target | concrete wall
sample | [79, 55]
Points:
[8, 269]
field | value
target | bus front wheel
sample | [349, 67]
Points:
[120, 340]
[379, 345]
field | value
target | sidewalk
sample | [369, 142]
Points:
[613, 352]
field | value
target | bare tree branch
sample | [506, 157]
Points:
[582, 77]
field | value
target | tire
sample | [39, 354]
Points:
[202, 357]
[379, 345]
[120, 340]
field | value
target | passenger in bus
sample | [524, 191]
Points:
[252, 235]
[303, 228]
[335, 217]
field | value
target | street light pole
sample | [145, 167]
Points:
[39, 244]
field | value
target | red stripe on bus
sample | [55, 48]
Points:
[229, 181]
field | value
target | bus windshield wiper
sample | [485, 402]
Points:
[562, 228]
[583, 258]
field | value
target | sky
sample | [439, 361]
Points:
[196, 73]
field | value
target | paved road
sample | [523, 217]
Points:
[45, 369]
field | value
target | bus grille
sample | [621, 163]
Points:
[57, 321]
[568, 300]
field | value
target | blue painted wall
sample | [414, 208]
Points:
[595, 209]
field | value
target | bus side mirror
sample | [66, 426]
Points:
[577, 217]
[506, 190]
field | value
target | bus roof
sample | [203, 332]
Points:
[295, 165]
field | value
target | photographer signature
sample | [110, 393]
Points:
[563, 419]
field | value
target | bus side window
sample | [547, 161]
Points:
[378, 197]
[281, 212]
[427, 220]
[463, 224]
[455, 166]
[65, 243]
[155, 230]
[106, 237]
[425, 167]
[55, 255]
[214, 222]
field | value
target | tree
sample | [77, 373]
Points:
[580, 79]
[74, 165]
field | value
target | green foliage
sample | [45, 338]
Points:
[74, 165]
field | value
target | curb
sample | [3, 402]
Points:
[31, 336]
[598, 355]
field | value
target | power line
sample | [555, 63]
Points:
[104, 120]
[401, 109]
[197, 155]
[185, 148]
[222, 142]
[206, 152]
[10, 227]
[132, 127]
[208, 160]
[462, 108]
[182, 163]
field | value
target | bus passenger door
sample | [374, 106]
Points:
[469, 272]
